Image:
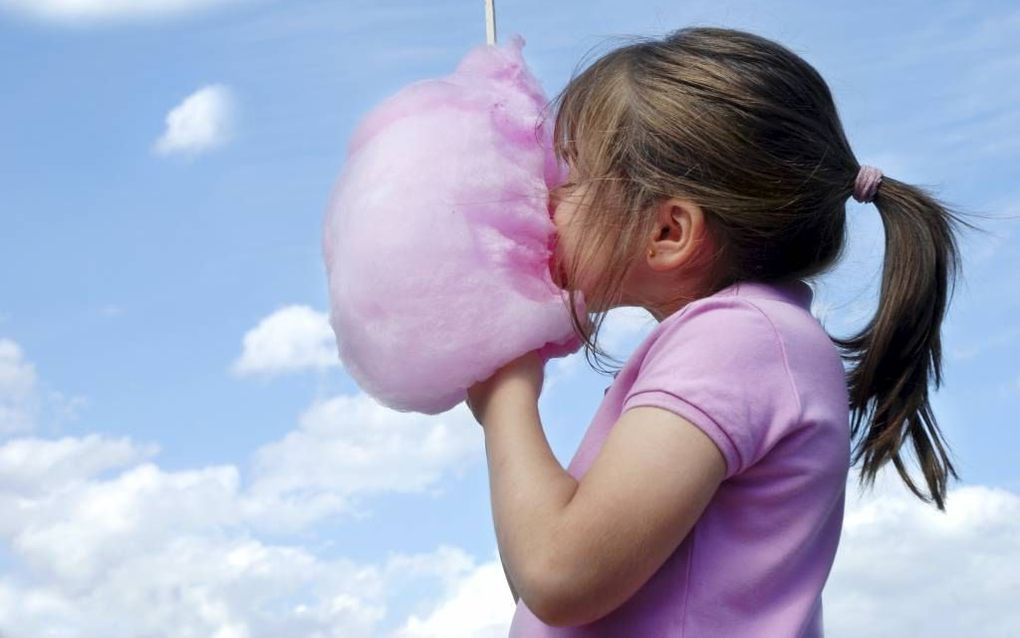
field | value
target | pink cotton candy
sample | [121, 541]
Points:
[437, 238]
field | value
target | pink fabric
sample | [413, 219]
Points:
[752, 368]
[437, 237]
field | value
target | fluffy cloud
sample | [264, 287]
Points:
[24, 402]
[350, 446]
[290, 339]
[36, 466]
[92, 524]
[182, 549]
[225, 587]
[905, 569]
[17, 389]
[96, 11]
[479, 605]
[202, 122]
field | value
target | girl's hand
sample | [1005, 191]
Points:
[517, 382]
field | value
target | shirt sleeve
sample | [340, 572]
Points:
[720, 364]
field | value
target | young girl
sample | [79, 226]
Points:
[708, 179]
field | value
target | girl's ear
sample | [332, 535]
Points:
[678, 234]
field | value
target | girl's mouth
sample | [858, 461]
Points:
[557, 272]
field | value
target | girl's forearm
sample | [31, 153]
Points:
[529, 491]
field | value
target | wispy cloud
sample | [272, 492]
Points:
[621, 332]
[82, 12]
[623, 327]
[202, 122]
[18, 397]
[963, 113]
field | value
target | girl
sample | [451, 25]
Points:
[708, 178]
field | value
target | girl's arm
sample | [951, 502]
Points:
[577, 551]
[647, 487]
[529, 491]
[513, 591]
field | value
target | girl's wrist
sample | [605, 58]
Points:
[512, 405]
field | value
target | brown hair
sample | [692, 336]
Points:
[749, 130]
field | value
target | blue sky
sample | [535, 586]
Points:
[177, 439]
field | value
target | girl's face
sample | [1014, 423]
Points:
[568, 215]
[646, 280]
[568, 208]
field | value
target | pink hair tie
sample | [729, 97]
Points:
[867, 183]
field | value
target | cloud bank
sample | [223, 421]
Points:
[93, 523]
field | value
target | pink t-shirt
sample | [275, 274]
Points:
[753, 369]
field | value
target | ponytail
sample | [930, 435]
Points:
[900, 349]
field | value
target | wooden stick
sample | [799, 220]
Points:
[490, 21]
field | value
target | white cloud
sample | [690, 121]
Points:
[34, 466]
[76, 12]
[350, 446]
[18, 397]
[202, 122]
[621, 332]
[183, 549]
[24, 404]
[623, 327]
[92, 525]
[78, 533]
[559, 370]
[208, 585]
[292, 338]
[346, 448]
[111, 310]
[905, 569]
[478, 606]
